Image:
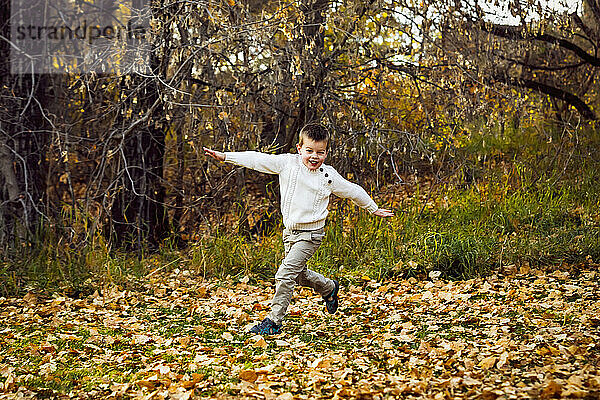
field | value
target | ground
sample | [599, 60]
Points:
[522, 334]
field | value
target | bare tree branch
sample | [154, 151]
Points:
[558, 93]
[515, 33]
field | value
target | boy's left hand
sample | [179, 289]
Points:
[381, 212]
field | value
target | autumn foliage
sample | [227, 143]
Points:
[131, 265]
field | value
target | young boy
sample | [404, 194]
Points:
[305, 184]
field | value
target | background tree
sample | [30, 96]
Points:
[398, 82]
[25, 133]
[550, 49]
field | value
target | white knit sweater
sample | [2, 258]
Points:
[304, 193]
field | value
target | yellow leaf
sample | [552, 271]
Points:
[503, 359]
[258, 341]
[231, 3]
[188, 384]
[487, 362]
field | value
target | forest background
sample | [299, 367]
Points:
[476, 122]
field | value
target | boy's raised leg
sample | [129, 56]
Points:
[299, 249]
[315, 281]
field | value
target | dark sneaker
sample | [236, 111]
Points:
[266, 327]
[332, 301]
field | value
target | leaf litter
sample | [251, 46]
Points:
[522, 335]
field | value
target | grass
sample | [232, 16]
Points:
[527, 205]
[470, 233]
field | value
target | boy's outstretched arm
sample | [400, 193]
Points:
[217, 155]
[382, 212]
[262, 162]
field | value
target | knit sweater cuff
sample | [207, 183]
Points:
[372, 207]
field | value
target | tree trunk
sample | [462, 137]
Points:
[139, 217]
[24, 140]
[138, 213]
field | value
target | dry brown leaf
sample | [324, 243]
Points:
[248, 375]
[267, 369]
[322, 362]
[30, 298]
[147, 384]
[198, 377]
[9, 383]
[258, 341]
[203, 292]
[188, 384]
[491, 394]
[552, 389]
[199, 329]
[185, 341]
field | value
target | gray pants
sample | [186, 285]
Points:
[299, 247]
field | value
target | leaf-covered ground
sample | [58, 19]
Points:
[524, 335]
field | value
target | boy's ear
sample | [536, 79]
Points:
[298, 147]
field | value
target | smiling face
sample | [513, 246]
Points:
[313, 153]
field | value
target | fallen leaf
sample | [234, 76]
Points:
[260, 343]
[267, 369]
[203, 292]
[552, 389]
[487, 362]
[321, 362]
[248, 375]
[503, 359]
[285, 396]
[140, 339]
[188, 384]
[30, 298]
[147, 384]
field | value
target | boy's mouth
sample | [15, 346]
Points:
[313, 163]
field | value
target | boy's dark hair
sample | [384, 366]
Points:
[315, 132]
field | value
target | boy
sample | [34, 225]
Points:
[305, 184]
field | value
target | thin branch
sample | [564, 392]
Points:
[515, 33]
[540, 67]
[571, 99]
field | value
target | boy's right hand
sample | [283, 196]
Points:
[217, 155]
